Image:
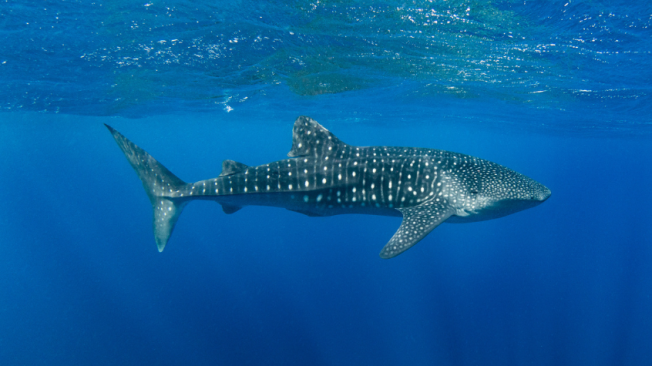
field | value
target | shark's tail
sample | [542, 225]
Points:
[160, 185]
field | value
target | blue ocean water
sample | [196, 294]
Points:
[557, 90]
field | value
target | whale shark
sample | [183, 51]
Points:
[325, 176]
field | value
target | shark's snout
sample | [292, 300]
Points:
[544, 194]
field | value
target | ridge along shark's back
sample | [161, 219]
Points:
[324, 176]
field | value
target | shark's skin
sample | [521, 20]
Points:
[325, 176]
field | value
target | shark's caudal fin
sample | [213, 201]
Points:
[159, 185]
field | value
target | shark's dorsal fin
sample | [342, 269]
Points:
[418, 222]
[309, 138]
[230, 167]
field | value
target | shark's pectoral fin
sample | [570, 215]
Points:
[417, 222]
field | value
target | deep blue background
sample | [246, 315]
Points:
[556, 90]
[567, 282]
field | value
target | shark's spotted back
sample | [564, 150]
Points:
[324, 176]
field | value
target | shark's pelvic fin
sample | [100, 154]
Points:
[418, 222]
[306, 212]
[229, 209]
[159, 182]
[311, 139]
[230, 167]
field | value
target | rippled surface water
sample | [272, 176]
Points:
[585, 63]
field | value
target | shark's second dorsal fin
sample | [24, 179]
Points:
[309, 138]
[230, 167]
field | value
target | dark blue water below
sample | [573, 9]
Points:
[565, 283]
